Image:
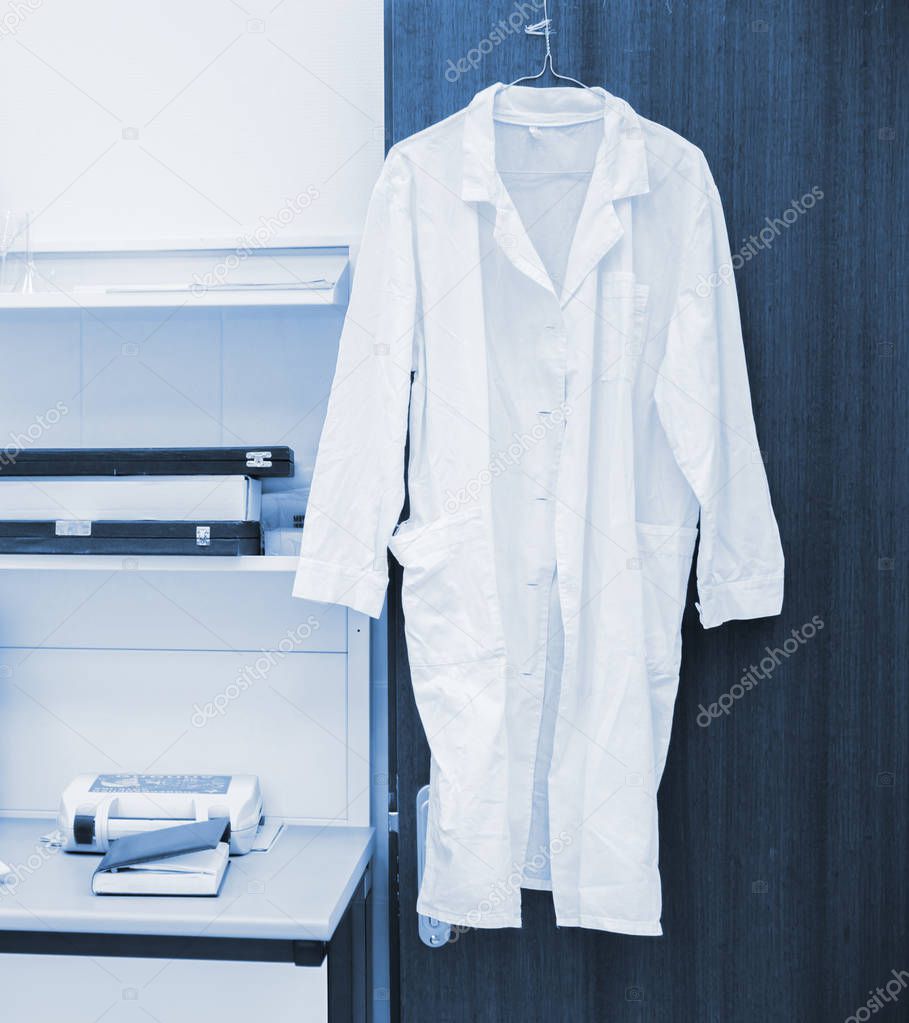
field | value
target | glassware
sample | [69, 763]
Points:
[28, 280]
[12, 232]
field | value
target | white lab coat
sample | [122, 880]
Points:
[544, 299]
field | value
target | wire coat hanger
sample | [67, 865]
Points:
[544, 28]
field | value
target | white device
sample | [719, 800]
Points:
[95, 809]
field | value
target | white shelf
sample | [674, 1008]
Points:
[144, 563]
[180, 278]
[170, 300]
[298, 890]
[189, 243]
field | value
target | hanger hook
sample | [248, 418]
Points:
[544, 28]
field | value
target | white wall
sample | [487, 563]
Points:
[139, 124]
[166, 119]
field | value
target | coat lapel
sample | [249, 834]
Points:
[620, 171]
[481, 182]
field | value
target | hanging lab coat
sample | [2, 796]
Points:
[544, 303]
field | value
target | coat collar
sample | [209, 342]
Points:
[619, 172]
[621, 164]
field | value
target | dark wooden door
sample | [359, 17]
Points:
[784, 823]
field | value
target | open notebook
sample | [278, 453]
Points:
[190, 859]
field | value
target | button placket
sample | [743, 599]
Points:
[557, 335]
[554, 341]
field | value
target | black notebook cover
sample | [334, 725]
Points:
[165, 842]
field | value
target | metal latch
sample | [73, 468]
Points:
[258, 459]
[73, 527]
[433, 933]
[203, 536]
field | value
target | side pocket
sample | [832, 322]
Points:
[451, 611]
[665, 553]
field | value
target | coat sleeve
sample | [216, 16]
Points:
[358, 481]
[704, 405]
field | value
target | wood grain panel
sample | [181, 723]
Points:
[784, 825]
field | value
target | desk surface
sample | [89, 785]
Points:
[298, 890]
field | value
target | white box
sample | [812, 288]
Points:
[131, 498]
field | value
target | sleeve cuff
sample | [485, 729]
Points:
[333, 584]
[746, 598]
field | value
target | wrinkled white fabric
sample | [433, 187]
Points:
[543, 300]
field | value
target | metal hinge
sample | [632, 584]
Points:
[433, 933]
[258, 459]
[393, 821]
[203, 536]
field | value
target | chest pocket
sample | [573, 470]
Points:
[451, 606]
[622, 327]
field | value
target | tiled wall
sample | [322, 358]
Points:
[165, 377]
[106, 671]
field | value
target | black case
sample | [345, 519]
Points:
[252, 460]
[205, 539]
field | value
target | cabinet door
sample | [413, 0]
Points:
[175, 990]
